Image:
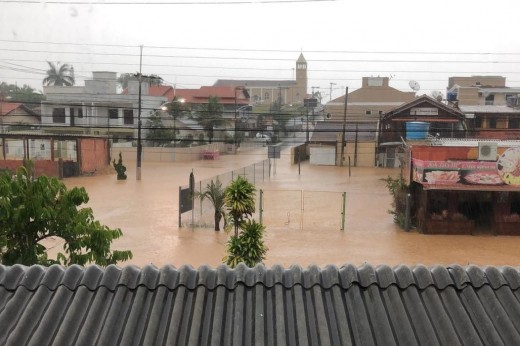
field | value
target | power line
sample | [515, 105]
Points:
[266, 58]
[311, 70]
[267, 50]
[239, 2]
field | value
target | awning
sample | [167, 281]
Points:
[482, 188]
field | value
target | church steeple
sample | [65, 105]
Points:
[301, 78]
[301, 63]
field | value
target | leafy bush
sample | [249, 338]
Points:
[248, 247]
[32, 210]
[399, 191]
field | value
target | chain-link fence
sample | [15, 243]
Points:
[202, 214]
[300, 209]
[276, 209]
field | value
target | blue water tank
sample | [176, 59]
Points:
[451, 96]
[417, 130]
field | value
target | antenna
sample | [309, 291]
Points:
[414, 85]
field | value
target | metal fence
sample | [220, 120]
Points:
[300, 209]
[202, 214]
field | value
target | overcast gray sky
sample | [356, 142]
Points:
[194, 43]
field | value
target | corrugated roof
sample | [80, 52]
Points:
[488, 109]
[327, 131]
[243, 306]
[500, 90]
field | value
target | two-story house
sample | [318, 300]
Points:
[98, 108]
[491, 108]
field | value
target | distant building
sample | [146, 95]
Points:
[416, 122]
[97, 108]
[234, 100]
[479, 90]
[492, 109]
[270, 91]
[360, 143]
[16, 116]
[365, 108]
[368, 103]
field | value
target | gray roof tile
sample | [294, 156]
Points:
[276, 306]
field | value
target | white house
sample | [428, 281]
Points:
[98, 108]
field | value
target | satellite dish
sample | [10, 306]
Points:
[414, 85]
[436, 94]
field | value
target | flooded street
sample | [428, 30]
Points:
[147, 213]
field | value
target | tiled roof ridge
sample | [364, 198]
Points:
[383, 276]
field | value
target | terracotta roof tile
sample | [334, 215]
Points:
[7, 107]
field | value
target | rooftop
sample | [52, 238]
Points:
[269, 306]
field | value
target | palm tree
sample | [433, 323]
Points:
[210, 116]
[59, 75]
[215, 193]
[240, 201]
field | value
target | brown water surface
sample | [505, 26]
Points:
[147, 213]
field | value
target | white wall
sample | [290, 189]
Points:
[324, 155]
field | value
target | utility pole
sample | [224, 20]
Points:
[342, 158]
[235, 123]
[314, 106]
[139, 125]
[139, 147]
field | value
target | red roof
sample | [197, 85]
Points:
[160, 90]
[225, 94]
[8, 107]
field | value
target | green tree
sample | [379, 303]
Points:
[248, 247]
[32, 210]
[59, 74]
[158, 134]
[210, 116]
[25, 94]
[240, 201]
[176, 108]
[215, 194]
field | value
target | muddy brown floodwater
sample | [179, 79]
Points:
[147, 213]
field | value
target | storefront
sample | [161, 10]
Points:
[454, 191]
